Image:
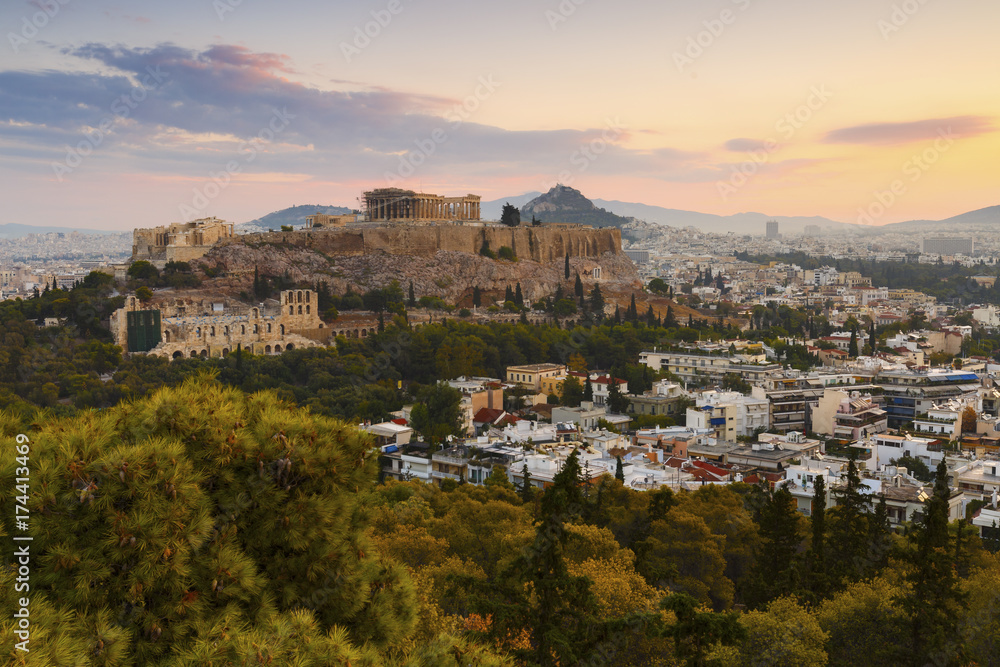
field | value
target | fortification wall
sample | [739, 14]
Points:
[540, 244]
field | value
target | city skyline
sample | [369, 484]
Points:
[861, 111]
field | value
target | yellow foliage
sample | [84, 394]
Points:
[619, 589]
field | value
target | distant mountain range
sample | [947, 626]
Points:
[13, 230]
[984, 218]
[294, 216]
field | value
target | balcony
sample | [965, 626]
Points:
[440, 474]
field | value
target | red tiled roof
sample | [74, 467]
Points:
[488, 415]
[400, 421]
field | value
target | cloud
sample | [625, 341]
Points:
[744, 145]
[887, 134]
[187, 111]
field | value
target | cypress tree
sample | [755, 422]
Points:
[849, 528]
[508, 295]
[650, 317]
[773, 573]
[633, 311]
[588, 390]
[618, 313]
[935, 604]
[578, 287]
[597, 301]
[619, 470]
[670, 321]
[852, 348]
[518, 295]
[525, 488]
[477, 297]
[816, 564]
[411, 299]
[567, 268]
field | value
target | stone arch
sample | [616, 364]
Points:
[178, 354]
[320, 325]
[243, 329]
[307, 309]
[289, 347]
[194, 354]
[197, 332]
[225, 351]
[300, 310]
[256, 329]
[308, 294]
[364, 333]
[281, 329]
[267, 349]
[268, 327]
[277, 349]
[213, 332]
[166, 336]
[291, 310]
[288, 297]
[300, 296]
[256, 313]
[225, 330]
[355, 334]
[204, 354]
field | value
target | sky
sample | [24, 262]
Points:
[116, 115]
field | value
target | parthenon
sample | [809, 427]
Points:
[398, 204]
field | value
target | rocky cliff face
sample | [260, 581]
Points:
[441, 260]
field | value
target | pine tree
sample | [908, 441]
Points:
[411, 299]
[619, 470]
[197, 554]
[567, 268]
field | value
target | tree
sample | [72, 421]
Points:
[849, 528]
[572, 392]
[670, 321]
[525, 490]
[969, 419]
[497, 479]
[915, 467]
[774, 572]
[816, 565]
[196, 556]
[537, 593]
[144, 294]
[518, 296]
[411, 298]
[619, 470]
[142, 271]
[578, 287]
[566, 271]
[507, 253]
[617, 402]
[597, 301]
[508, 295]
[783, 634]
[509, 215]
[935, 603]
[852, 347]
[588, 389]
[633, 312]
[477, 297]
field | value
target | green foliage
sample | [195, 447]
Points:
[160, 523]
[510, 215]
[507, 253]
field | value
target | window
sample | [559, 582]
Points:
[291, 310]
[268, 327]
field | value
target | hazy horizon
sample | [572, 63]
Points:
[113, 118]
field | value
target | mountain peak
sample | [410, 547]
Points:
[565, 204]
